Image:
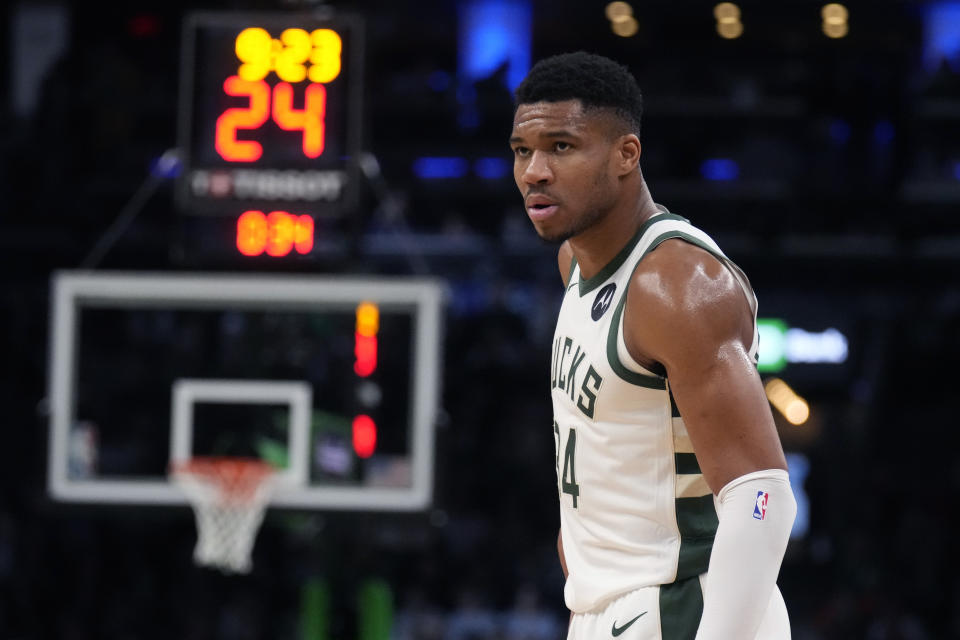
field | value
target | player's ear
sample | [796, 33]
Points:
[628, 153]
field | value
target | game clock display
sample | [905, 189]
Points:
[269, 124]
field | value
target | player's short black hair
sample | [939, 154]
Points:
[594, 80]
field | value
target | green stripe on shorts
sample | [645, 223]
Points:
[681, 607]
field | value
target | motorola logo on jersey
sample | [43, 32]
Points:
[603, 301]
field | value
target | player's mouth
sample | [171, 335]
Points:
[540, 207]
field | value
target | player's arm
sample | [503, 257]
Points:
[686, 311]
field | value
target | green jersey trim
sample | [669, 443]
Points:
[573, 267]
[669, 235]
[674, 410]
[681, 607]
[588, 285]
[633, 377]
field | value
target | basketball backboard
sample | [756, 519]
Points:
[150, 369]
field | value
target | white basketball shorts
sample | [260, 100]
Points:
[666, 612]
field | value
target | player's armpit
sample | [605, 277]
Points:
[563, 558]
[686, 311]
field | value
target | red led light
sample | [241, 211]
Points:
[365, 349]
[277, 234]
[250, 117]
[364, 436]
[280, 239]
[309, 119]
[303, 235]
[252, 233]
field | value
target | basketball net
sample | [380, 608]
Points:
[229, 497]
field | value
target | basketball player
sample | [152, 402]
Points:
[675, 503]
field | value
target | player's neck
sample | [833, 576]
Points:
[595, 247]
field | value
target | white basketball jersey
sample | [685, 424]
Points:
[635, 510]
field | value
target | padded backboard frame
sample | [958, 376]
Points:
[73, 291]
[296, 395]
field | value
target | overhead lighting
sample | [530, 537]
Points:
[730, 30]
[618, 10]
[834, 13]
[729, 25]
[622, 22]
[835, 20]
[625, 28]
[726, 12]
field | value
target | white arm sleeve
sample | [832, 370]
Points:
[756, 513]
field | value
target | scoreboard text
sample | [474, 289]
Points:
[269, 124]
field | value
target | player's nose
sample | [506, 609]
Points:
[538, 170]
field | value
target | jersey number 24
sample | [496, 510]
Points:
[569, 464]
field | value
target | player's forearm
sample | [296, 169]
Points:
[756, 516]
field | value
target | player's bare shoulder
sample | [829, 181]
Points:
[565, 262]
[683, 297]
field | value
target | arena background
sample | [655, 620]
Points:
[827, 167]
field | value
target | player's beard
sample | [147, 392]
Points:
[588, 218]
[576, 226]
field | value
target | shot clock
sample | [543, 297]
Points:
[269, 126]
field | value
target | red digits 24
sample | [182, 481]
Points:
[250, 117]
[310, 119]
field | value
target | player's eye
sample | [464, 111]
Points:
[521, 152]
[561, 146]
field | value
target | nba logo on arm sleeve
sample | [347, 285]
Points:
[760, 508]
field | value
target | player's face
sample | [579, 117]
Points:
[562, 159]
